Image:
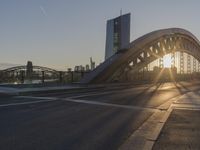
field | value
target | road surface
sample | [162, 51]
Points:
[87, 119]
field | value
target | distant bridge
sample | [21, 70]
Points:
[29, 72]
[143, 51]
[20, 68]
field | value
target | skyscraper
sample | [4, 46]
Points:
[117, 34]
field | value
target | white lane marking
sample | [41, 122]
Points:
[25, 103]
[137, 90]
[34, 97]
[109, 104]
[49, 99]
[184, 108]
[91, 94]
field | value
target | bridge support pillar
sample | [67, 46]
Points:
[72, 76]
[60, 76]
[43, 76]
[17, 75]
[22, 76]
[82, 74]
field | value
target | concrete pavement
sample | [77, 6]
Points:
[182, 130]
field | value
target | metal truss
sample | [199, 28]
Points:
[188, 64]
[194, 65]
[145, 50]
[181, 63]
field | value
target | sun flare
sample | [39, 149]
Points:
[167, 61]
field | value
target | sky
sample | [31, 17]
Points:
[64, 33]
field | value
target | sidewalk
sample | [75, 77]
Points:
[182, 129]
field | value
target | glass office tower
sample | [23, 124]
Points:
[117, 34]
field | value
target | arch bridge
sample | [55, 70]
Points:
[24, 68]
[29, 72]
[143, 51]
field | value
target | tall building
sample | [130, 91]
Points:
[29, 69]
[117, 34]
[92, 64]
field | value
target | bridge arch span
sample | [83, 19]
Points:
[143, 51]
[46, 69]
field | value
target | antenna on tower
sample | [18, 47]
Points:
[121, 12]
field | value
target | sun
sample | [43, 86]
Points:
[167, 61]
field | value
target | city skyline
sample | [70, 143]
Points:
[62, 34]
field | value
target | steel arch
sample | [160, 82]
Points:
[143, 51]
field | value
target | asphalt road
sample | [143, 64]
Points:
[90, 119]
